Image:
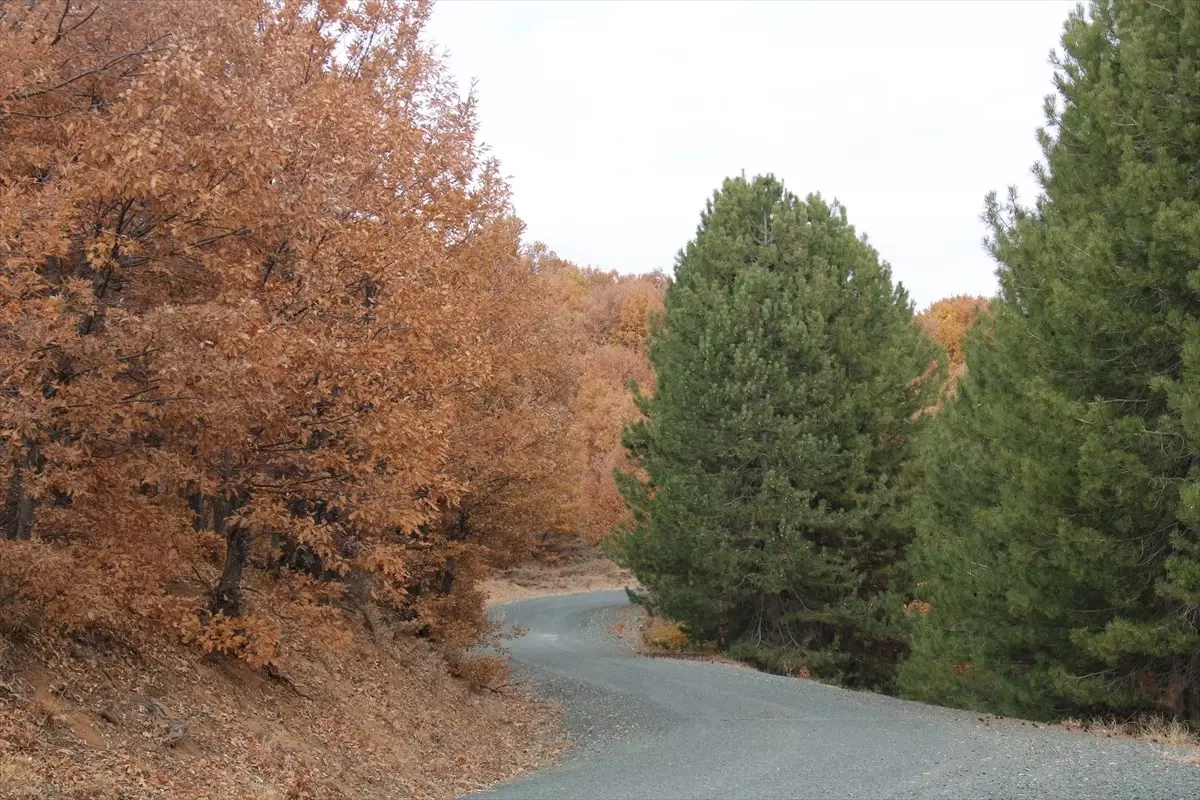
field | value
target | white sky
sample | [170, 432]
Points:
[616, 120]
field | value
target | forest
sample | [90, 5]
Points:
[280, 372]
[275, 359]
[999, 514]
[319, 361]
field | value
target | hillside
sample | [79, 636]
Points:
[366, 720]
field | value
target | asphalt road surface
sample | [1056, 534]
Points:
[660, 729]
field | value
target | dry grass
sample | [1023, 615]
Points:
[1183, 741]
[1169, 733]
[663, 638]
[369, 720]
[663, 634]
[659, 637]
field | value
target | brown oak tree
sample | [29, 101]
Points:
[252, 263]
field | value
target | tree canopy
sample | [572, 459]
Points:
[777, 448]
[1058, 541]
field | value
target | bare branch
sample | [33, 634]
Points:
[81, 22]
[35, 92]
[58, 33]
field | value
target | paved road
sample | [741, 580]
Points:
[660, 729]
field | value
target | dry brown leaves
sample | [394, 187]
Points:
[373, 722]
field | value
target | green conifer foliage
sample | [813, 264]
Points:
[776, 454]
[1058, 540]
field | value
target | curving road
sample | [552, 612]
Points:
[659, 729]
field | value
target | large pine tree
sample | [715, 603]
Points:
[771, 513]
[1058, 538]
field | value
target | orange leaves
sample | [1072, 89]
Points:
[252, 639]
[664, 634]
[258, 299]
[643, 300]
[947, 322]
[511, 446]
[269, 344]
[613, 314]
[921, 607]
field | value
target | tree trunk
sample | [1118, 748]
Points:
[772, 610]
[460, 529]
[1192, 689]
[196, 502]
[448, 576]
[16, 516]
[227, 596]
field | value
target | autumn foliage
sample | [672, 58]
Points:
[270, 349]
[947, 322]
[613, 315]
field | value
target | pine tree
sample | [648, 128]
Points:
[1058, 537]
[770, 513]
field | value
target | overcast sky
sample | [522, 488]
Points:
[616, 120]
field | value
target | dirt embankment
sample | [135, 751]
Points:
[367, 720]
[379, 717]
[563, 567]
